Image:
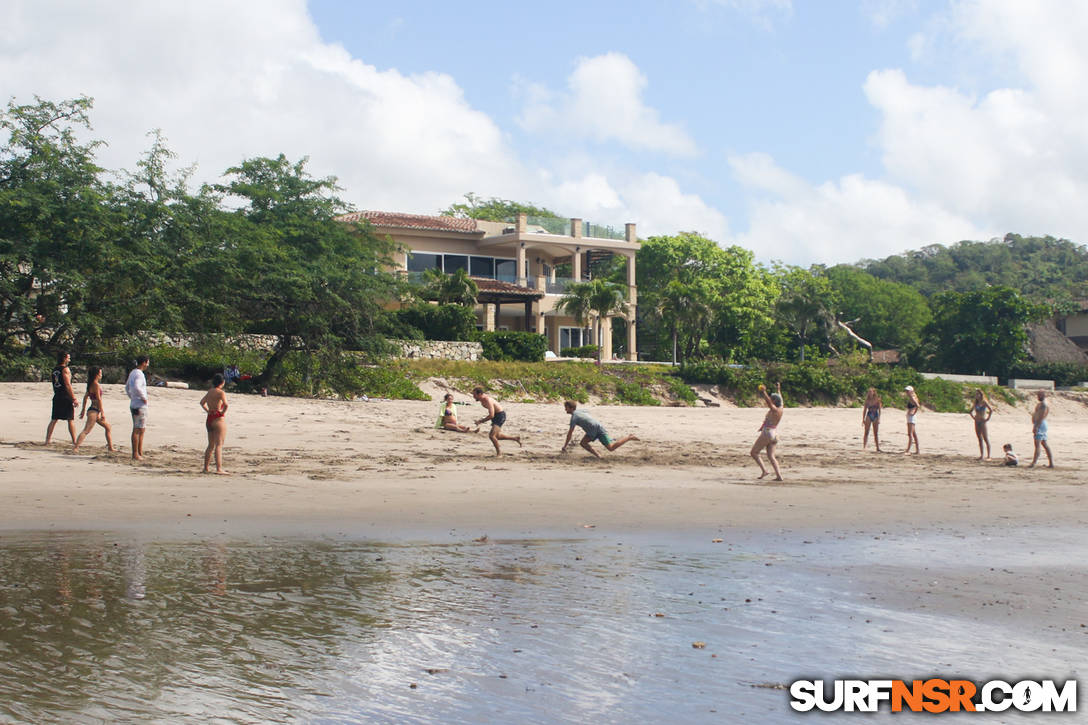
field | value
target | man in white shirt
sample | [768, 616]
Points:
[136, 387]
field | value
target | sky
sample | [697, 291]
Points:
[806, 131]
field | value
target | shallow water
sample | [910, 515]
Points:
[101, 626]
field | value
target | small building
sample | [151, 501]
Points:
[522, 267]
[1075, 325]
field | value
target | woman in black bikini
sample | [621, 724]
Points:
[449, 417]
[870, 418]
[214, 404]
[94, 413]
[980, 413]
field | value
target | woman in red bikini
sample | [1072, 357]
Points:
[214, 404]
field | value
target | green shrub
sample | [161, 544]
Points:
[1063, 374]
[585, 351]
[634, 394]
[328, 374]
[18, 367]
[504, 345]
[439, 322]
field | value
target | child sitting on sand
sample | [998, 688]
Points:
[1011, 459]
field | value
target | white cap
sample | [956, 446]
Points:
[909, 388]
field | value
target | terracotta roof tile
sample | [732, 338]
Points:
[486, 284]
[412, 221]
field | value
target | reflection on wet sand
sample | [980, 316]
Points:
[95, 626]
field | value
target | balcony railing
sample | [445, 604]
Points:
[559, 286]
[600, 231]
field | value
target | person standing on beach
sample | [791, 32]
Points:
[1039, 429]
[95, 413]
[214, 404]
[981, 411]
[594, 431]
[768, 432]
[64, 398]
[497, 417]
[136, 387]
[870, 418]
[914, 405]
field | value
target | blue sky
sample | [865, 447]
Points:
[809, 132]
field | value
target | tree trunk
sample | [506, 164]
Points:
[275, 361]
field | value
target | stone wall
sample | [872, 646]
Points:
[438, 350]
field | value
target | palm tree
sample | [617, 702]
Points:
[596, 298]
[457, 288]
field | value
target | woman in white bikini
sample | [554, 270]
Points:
[980, 413]
[768, 432]
[913, 407]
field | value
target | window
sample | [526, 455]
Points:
[454, 262]
[422, 261]
[574, 337]
[506, 270]
[482, 266]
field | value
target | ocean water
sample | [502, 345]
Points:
[123, 627]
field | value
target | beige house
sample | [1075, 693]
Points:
[521, 267]
[1075, 325]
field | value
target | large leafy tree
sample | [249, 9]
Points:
[56, 229]
[292, 270]
[596, 299]
[807, 306]
[888, 314]
[980, 332]
[691, 291]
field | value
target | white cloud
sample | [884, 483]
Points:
[229, 81]
[604, 102]
[837, 221]
[882, 13]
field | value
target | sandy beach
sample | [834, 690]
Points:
[451, 582]
[381, 463]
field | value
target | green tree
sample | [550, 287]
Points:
[292, 270]
[457, 288]
[692, 290]
[494, 209]
[982, 331]
[55, 227]
[806, 306]
[596, 299]
[888, 314]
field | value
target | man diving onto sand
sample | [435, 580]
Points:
[768, 432]
[594, 431]
[497, 417]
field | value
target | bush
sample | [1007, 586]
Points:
[634, 394]
[438, 322]
[585, 351]
[503, 345]
[18, 367]
[1063, 374]
[327, 374]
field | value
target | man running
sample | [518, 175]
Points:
[497, 417]
[594, 431]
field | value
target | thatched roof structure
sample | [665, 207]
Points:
[1047, 344]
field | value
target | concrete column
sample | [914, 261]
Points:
[521, 264]
[606, 339]
[553, 333]
[576, 264]
[522, 223]
[630, 270]
[576, 228]
[489, 317]
[629, 232]
[632, 340]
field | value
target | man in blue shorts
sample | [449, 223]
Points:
[1039, 429]
[594, 430]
